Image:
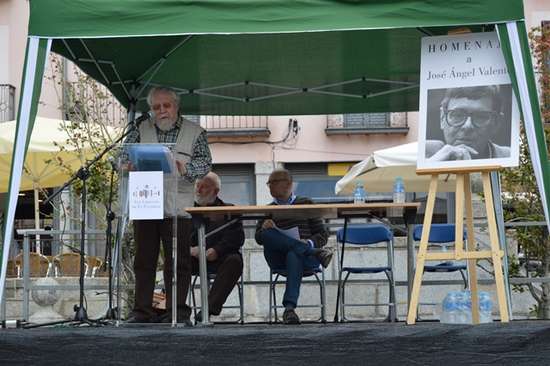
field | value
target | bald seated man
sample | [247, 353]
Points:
[294, 255]
[223, 249]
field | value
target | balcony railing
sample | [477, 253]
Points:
[235, 125]
[7, 102]
[367, 123]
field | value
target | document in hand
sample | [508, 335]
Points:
[293, 232]
[150, 157]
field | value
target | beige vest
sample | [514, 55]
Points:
[183, 151]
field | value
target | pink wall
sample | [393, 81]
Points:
[15, 14]
[536, 11]
[312, 143]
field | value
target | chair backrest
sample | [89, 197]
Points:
[439, 233]
[12, 271]
[38, 264]
[69, 264]
[365, 234]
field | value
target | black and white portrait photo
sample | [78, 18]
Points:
[469, 123]
[468, 113]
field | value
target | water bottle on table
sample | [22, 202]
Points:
[359, 194]
[398, 197]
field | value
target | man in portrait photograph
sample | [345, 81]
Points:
[469, 123]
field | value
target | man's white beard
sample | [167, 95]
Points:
[165, 124]
[205, 200]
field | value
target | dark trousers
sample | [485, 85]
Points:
[148, 235]
[228, 270]
[284, 253]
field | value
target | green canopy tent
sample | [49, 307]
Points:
[268, 57]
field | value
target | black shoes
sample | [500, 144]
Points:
[198, 317]
[324, 256]
[138, 320]
[185, 321]
[290, 317]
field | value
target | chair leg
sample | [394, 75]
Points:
[392, 316]
[391, 279]
[192, 289]
[464, 278]
[321, 295]
[274, 288]
[270, 296]
[241, 299]
[343, 292]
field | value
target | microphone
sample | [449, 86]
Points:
[145, 116]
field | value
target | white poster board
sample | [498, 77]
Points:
[146, 195]
[468, 113]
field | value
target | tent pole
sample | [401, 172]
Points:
[37, 217]
[31, 85]
[499, 213]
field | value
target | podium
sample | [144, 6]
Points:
[148, 189]
[463, 202]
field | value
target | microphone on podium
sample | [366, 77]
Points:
[145, 116]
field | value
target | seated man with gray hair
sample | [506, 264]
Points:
[223, 254]
[284, 252]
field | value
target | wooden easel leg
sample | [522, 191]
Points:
[471, 243]
[495, 248]
[421, 258]
[459, 216]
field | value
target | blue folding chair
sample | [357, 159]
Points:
[364, 235]
[276, 273]
[442, 235]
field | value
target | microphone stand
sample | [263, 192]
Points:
[81, 316]
[110, 216]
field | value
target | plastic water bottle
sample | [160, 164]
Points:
[465, 307]
[450, 313]
[485, 307]
[398, 196]
[398, 190]
[359, 194]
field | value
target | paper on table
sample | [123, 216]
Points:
[293, 232]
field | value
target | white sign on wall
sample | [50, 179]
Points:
[146, 194]
[468, 112]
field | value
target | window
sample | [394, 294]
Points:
[238, 183]
[367, 120]
[311, 180]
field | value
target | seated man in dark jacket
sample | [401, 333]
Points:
[222, 248]
[294, 255]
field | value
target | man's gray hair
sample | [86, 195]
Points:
[163, 89]
[281, 173]
[214, 178]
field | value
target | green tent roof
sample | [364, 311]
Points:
[262, 57]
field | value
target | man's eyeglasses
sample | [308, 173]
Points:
[457, 117]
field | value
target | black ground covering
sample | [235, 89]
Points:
[517, 343]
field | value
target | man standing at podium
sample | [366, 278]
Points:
[193, 160]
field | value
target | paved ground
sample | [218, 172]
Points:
[517, 343]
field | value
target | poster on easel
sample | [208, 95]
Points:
[468, 115]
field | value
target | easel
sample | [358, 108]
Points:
[463, 200]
